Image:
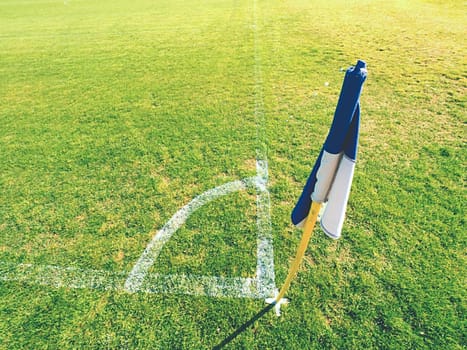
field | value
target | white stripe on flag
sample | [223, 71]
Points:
[325, 176]
[334, 214]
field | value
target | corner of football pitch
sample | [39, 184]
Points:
[151, 153]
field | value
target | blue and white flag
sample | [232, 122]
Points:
[331, 177]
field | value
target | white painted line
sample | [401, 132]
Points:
[76, 278]
[212, 286]
[265, 253]
[58, 277]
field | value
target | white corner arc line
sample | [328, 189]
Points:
[140, 270]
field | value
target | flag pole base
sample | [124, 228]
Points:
[310, 222]
[277, 303]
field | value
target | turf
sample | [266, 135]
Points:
[116, 114]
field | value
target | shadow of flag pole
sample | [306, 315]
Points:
[332, 175]
[278, 300]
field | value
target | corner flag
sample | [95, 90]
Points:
[331, 177]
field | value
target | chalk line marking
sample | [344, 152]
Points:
[140, 280]
[76, 278]
[265, 254]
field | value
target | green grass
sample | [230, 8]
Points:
[116, 114]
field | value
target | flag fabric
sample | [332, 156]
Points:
[331, 177]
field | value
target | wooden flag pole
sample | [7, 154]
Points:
[307, 231]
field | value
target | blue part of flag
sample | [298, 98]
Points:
[346, 107]
[303, 206]
[351, 140]
[343, 134]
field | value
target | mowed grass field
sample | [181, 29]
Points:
[116, 114]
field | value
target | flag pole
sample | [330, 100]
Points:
[307, 231]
